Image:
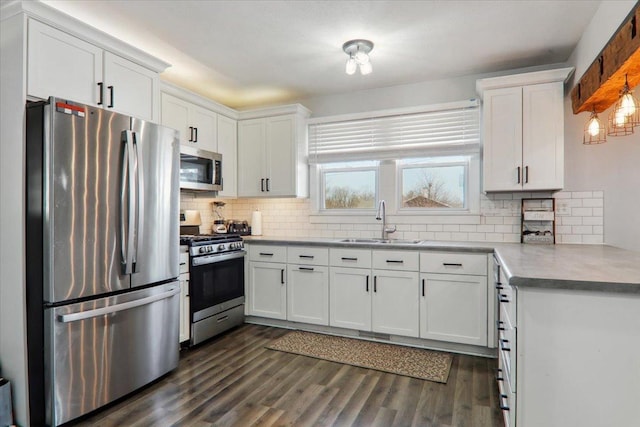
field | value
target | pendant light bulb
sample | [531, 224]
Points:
[628, 105]
[594, 126]
[351, 66]
[620, 118]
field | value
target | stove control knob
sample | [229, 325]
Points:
[202, 249]
[232, 246]
[220, 247]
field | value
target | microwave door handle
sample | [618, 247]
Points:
[130, 197]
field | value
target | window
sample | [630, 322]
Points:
[423, 159]
[349, 185]
[433, 183]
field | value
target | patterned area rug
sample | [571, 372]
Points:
[408, 361]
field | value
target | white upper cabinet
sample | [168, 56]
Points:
[62, 65]
[272, 155]
[228, 147]
[197, 125]
[130, 88]
[523, 131]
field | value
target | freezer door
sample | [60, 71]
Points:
[101, 350]
[82, 188]
[157, 237]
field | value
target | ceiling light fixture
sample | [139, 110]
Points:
[594, 131]
[358, 51]
[625, 114]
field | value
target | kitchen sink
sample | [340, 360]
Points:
[383, 241]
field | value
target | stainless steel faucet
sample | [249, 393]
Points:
[382, 215]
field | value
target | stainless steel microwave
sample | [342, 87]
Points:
[200, 169]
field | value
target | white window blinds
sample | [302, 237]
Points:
[433, 130]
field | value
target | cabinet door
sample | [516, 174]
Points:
[185, 324]
[205, 123]
[280, 156]
[228, 147]
[62, 65]
[267, 290]
[543, 136]
[130, 88]
[175, 114]
[350, 298]
[454, 308]
[502, 139]
[251, 154]
[308, 294]
[395, 303]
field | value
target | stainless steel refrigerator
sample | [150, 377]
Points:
[102, 233]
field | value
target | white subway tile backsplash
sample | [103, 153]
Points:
[579, 219]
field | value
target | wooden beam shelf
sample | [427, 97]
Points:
[600, 85]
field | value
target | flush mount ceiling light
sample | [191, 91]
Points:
[358, 51]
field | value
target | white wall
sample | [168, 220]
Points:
[13, 350]
[613, 167]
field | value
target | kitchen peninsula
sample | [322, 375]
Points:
[573, 323]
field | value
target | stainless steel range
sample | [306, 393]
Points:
[216, 284]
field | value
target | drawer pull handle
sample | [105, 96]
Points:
[395, 261]
[499, 286]
[262, 184]
[452, 264]
[422, 287]
[306, 256]
[503, 345]
[505, 398]
[503, 298]
[349, 259]
[183, 263]
[367, 283]
[222, 319]
[305, 269]
[265, 254]
[500, 325]
[282, 276]
[375, 283]
[499, 375]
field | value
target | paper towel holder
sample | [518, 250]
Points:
[256, 223]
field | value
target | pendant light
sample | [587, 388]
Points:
[625, 114]
[594, 130]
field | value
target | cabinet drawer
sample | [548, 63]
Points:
[357, 258]
[183, 259]
[306, 255]
[452, 262]
[507, 302]
[506, 397]
[395, 260]
[267, 253]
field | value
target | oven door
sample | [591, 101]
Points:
[216, 284]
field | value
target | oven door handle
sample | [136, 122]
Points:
[210, 259]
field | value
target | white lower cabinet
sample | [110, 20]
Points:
[350, 298]
[395, 303]
[308, 294]
[267, 290]
[185, 325]
[453, 307]
[183, 278]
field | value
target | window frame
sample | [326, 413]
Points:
[321, 185]
[430, 161]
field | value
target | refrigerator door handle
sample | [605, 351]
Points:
[83, 315]
[129, 197]
[139, 201]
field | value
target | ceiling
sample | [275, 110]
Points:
[250, 53]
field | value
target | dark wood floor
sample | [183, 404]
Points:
[234, 380]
